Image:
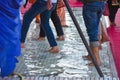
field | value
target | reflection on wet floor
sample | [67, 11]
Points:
[69, 62]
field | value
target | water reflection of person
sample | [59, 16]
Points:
[10, 26]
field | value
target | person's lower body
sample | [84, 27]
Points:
[28, 17]
[45, 16]
[92, 13]
[59, 38]
[61, 14]
[38, 16]
[9, 43]
[95, 47]
[57, 24]
[39, 8]
[42, 35]
[36, 9]
[9, 51]
[102, 34]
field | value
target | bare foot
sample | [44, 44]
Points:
[22, 45]
[60, 38]
[91, 64]
[65, 26]
[54, 49]
[87, 57]
[41, 39]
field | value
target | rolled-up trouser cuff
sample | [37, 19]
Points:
[94, 44]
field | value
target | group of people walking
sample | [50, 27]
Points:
[13, 33]
[45, 29]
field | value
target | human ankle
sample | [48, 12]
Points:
[54, 49]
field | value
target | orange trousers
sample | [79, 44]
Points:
[61, 14]
[61, 11]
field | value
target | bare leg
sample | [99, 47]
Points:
[105, 37]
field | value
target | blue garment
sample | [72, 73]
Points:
[10, 27]
[92, 13]
[56, 21]
[39, 7]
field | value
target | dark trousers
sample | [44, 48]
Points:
[39, 7]
[112, 10]
[56, 21]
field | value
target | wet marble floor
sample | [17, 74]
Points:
[36, 61]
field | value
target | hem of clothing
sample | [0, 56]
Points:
[94, 44]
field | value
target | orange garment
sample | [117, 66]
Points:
[38, 18]
[61, 14]
[61, 11]
[60, 4]
[32, 1]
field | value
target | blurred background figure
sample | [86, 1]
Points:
[61, 13]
